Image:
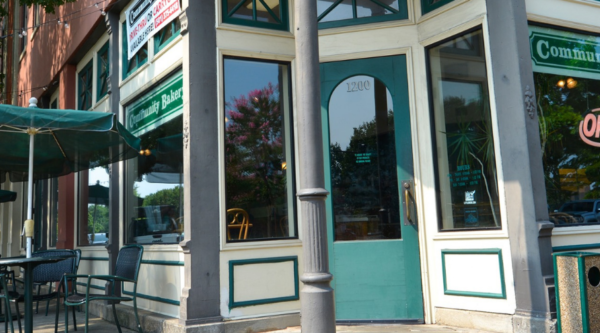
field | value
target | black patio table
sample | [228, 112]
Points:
[28, 265]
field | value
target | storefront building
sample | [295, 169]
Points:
[459, 145]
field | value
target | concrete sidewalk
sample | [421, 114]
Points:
[396, 328]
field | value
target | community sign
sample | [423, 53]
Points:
[146, 17]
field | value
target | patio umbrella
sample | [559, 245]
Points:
[6, 196]
[43, 143]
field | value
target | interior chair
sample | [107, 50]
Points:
[126, 270]
[50, 273]
[6, 296]
[240, 220]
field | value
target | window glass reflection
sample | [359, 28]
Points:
[258, 151]
[94, 188]
[364, 182]
[466, 163]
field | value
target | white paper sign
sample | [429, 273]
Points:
[146, 17]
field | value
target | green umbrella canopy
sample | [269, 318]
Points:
[66, 141]
[6, 196]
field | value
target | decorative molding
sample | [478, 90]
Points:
[184, 22]
[498, 252]
[233, 263]
[186, 133]
[578, 247]
[529, 102]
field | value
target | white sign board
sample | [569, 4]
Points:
[146, 17]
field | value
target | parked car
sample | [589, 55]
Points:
[578, 211]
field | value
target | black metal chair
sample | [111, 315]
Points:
[75, 268]
[126, 270]
[7, 295]
[50, 273]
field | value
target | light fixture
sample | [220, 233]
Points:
[59, 22]
[24, 32]
[145, 152]
[103, 12]
[571, 83]
[66, 24]
[20, 35]
[284, 165]
[96, 5]
[45, 88]
[561, 83]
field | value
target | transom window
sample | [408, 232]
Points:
[103, 72]
[430, 5]
[166, 35]
[140, 58]
[270, 14]
[337, 13]
[85, 84]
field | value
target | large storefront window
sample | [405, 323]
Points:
[466, 165]
[94, 187]
[567, 85]
[258, 151]
[154, 180]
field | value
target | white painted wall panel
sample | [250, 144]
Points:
[261, 281]
[478, 273]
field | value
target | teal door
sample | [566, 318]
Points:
[373, 240]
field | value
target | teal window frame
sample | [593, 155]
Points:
[85, 89]
[402, 14]
[103, 73]
[140, 60]
[159, 43]
[427, 7]
[283, 14]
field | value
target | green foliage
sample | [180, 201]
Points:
[569, 165]
[48, 5]
[97, 218]
[170, 197]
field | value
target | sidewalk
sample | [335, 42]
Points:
[375, 328]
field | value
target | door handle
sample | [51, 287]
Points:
[407, 200]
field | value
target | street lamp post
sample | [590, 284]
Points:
[317, 302]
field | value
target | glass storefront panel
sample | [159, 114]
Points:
[567, 86]
[154, 180]
[259, 171]
[467, 182]
[94, 187]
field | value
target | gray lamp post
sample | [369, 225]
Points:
[317, 304]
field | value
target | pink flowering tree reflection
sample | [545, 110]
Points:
[254, 154]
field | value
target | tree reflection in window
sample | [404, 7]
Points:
[259, 173]
[571, 167]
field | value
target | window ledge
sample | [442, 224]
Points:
[365, 27]
[100, 101]
[134, 74]
[576, 230]
[593, 3]
[254, 30]
[262, 244]
[475, 234]
[167, 48]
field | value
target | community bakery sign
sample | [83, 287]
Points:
[157, 107]
[559, 52]
[146, 17]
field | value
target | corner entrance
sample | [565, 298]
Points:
[373, 240]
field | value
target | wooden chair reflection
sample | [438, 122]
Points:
[240, 220]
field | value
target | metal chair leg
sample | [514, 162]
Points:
[48, 301]
[37, 303]
[18, 316]
[87, 312]
[8, 315]
[137, 319]
[57, 311]
[116, 318]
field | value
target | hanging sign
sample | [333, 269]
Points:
[157, 107]
[564, 53]
[146, 17]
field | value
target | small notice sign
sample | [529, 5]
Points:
[146, 17]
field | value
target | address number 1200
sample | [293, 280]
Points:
[358, 86]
